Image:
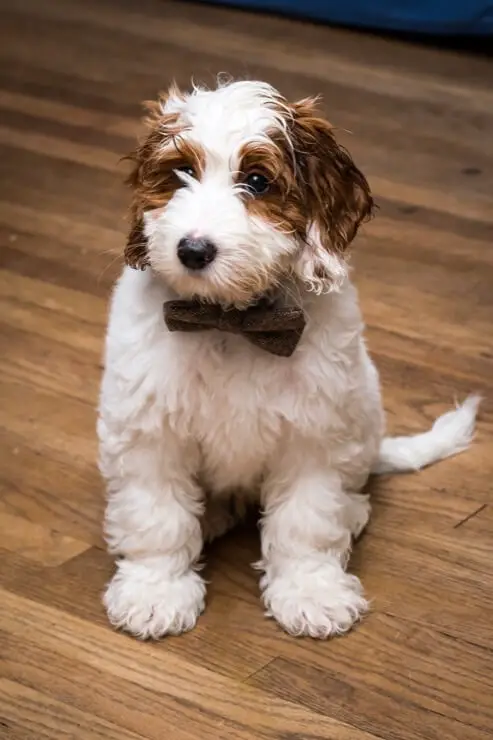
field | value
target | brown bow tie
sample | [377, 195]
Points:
[276, 330]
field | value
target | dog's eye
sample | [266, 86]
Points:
[187, 170]
[256, 183]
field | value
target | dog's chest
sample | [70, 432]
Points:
[231, 405]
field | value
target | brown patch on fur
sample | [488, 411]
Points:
[313, 181]
[283, 204]
[337, 194]
[136, 247]
[153, 178]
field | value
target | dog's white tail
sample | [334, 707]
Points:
[450, 434]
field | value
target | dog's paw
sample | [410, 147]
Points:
[320, 601]
[358, 513]
[148, 603]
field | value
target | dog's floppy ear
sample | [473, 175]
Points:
[146, 176]
[336, 196]
[135, 253]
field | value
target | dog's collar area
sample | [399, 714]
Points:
[277, 330]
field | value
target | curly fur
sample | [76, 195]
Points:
[193, 426]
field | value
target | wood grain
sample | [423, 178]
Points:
[418, 121]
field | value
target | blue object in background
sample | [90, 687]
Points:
[445, 17]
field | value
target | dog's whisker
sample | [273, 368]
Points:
[116, 258]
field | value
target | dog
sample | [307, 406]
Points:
[236, 368]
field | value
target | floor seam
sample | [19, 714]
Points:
[470, 516]
[258, 670]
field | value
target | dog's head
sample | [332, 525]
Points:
[236, 190]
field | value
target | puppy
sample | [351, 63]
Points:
[255, 382]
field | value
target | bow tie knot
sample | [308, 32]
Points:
[229, 321]
[275, 330]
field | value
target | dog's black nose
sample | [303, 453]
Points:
[196, 253]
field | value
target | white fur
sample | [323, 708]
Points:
[450, 434]
[189, 420]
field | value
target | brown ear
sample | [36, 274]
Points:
[146, 176]
[135, 253]
[337, 195]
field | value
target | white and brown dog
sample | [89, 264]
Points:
[256, 381]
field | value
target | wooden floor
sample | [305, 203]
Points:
[420, 667]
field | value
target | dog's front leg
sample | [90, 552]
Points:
[152, 521]
[306, 539]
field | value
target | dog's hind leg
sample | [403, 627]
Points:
[358, 510]
[221, 515]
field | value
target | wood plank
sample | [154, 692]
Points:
[69, 115]
[398, 681]
[118, 702]
[218, 708]
[28, 711]
[313, 61]
[41, 487]
[35, 542]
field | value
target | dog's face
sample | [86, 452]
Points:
[235, 190]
